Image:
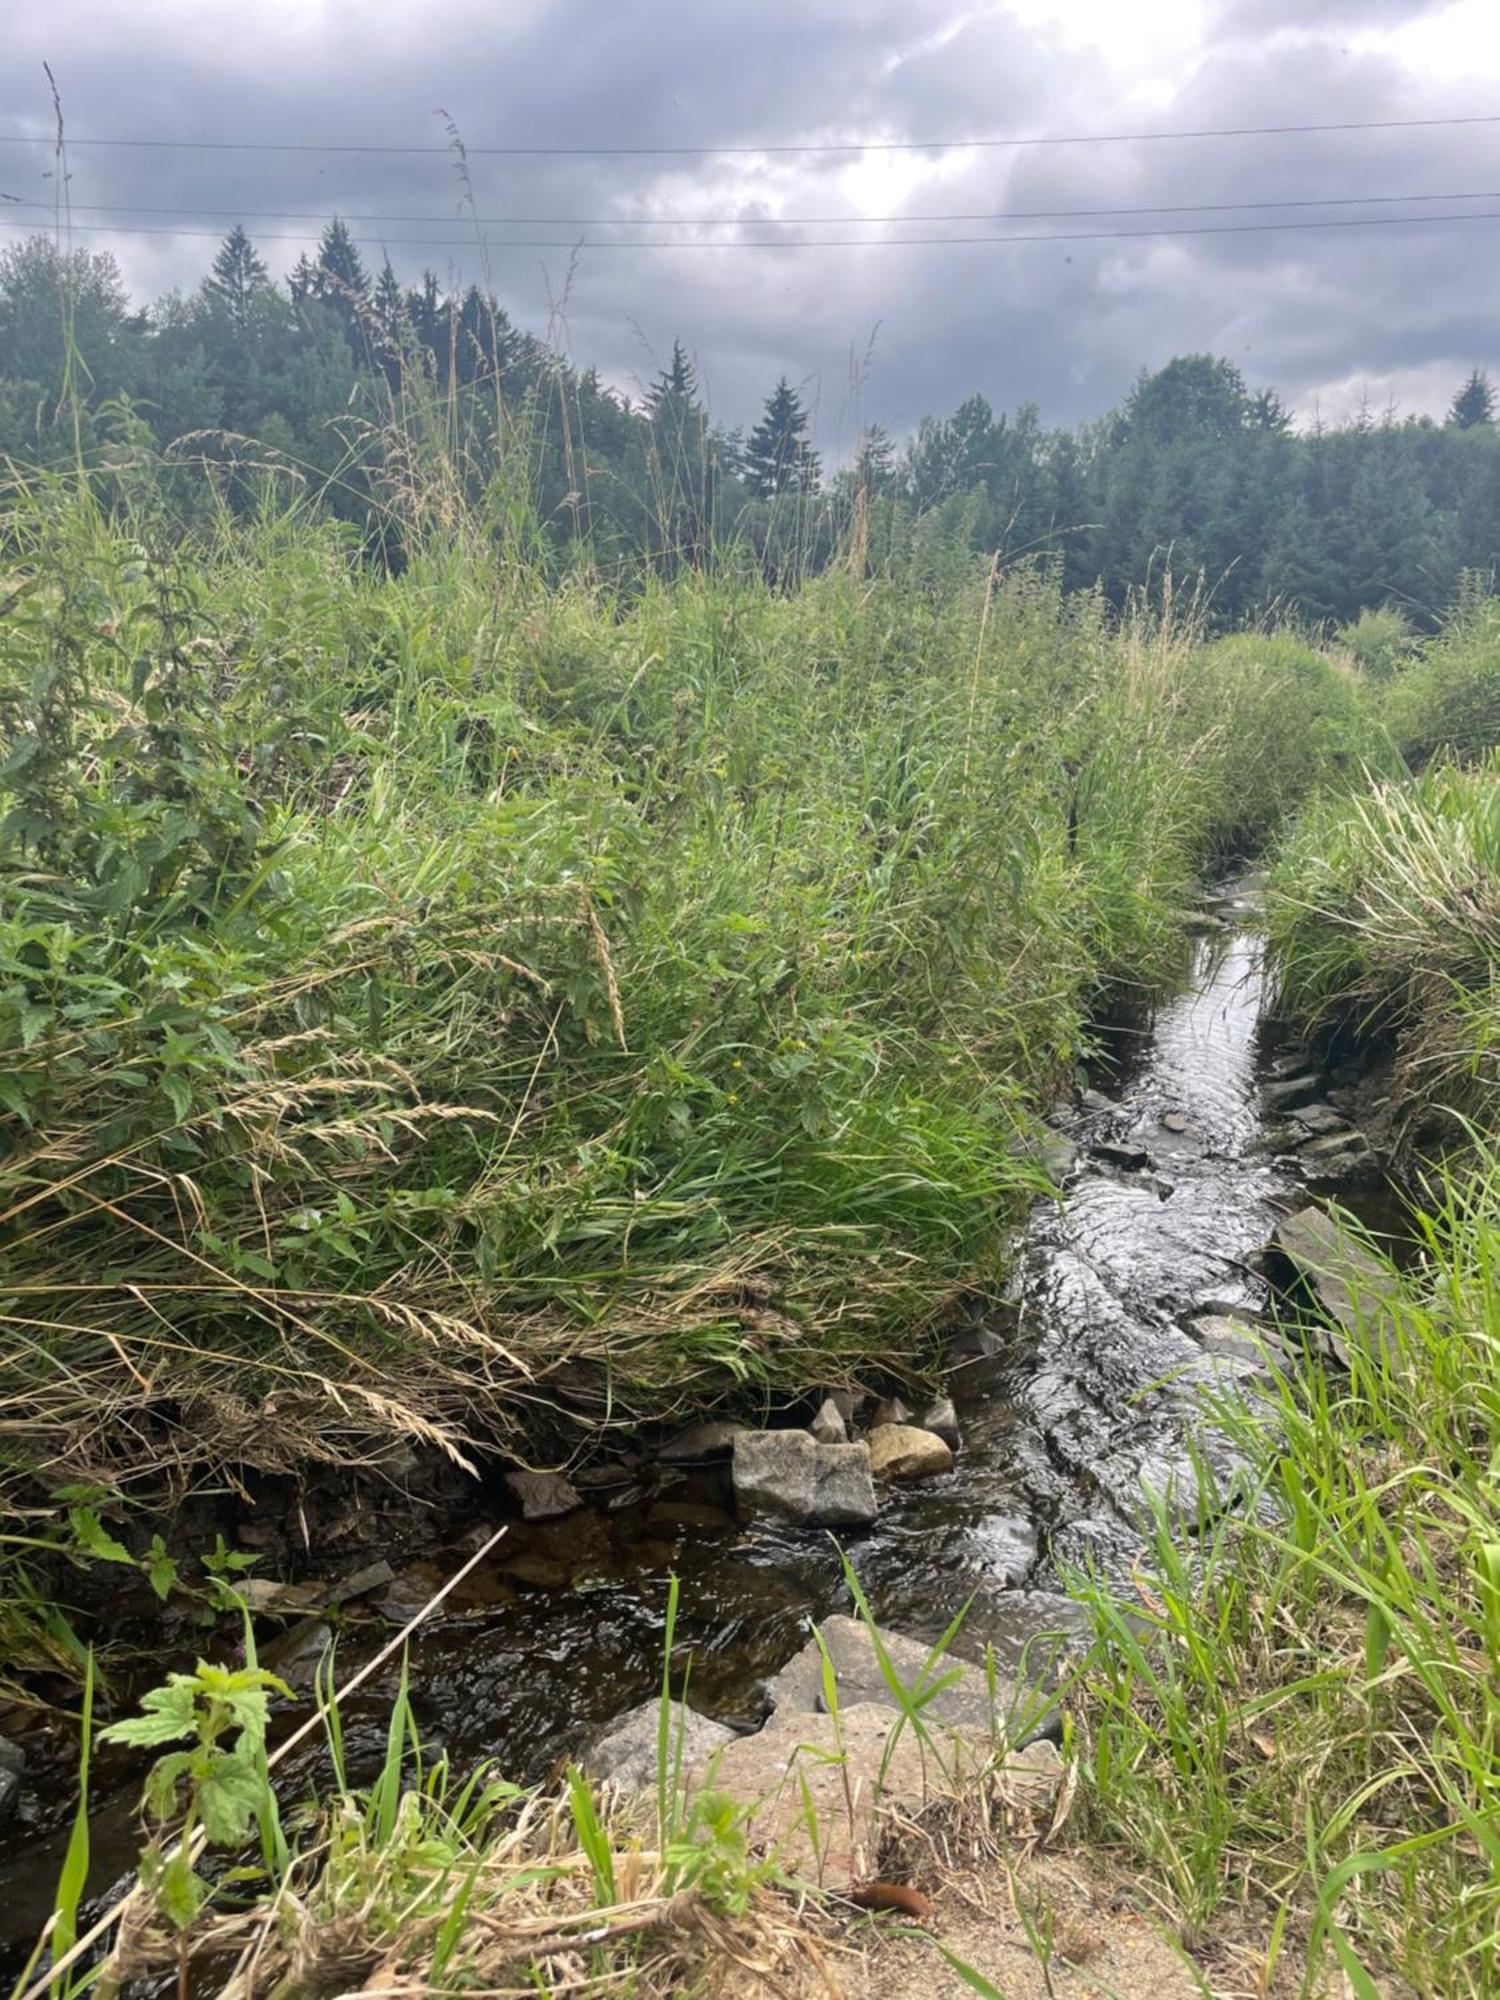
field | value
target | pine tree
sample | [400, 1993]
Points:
[237, 275]
[675, 390]
[778, 458]
[388, 299]
[874, 460]
[302, 280]
[1474, 403]
[341, 269]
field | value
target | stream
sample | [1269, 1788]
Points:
[1085, 1386]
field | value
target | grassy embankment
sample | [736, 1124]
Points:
[432, 998]
[1303, 1745]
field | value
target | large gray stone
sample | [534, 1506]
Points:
[1319, 1119]
[901, 1451]
[1351, 1284]
[964, 1703]
[942, 1418]
[789, 1476]
[816, 1788]
[624, 1752]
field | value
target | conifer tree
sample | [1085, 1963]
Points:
[341, 269]
[778, 457]
[237, 275]
[1474, 403]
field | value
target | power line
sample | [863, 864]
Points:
[819, 242]
[48, 139]
[759, 221]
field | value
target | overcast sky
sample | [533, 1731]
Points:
[879, 332]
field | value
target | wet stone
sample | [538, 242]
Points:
[1317, 1119]
[942, 1419]
[788, 1476]
[1351, 1284]
[798, 1688]
[901, 1451]
[1290, 1092]
[700, 1442]
[543, 1496]
[1176, 1121]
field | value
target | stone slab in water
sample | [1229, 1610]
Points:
[789, 1476]
[700, 1442]
[1351, 1284]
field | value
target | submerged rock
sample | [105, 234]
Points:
[789, 1476]
[1351, 1284]
[1289, 1092]
[625, 1752]
[543, 1496]
[901, 1451]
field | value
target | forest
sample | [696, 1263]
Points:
[1197, 473]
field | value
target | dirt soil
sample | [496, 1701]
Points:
[1102, 1945]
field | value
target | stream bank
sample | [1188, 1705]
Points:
[1089, 1384]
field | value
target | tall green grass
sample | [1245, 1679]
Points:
[1294, 1730]
[429, 996]
[1385, 920]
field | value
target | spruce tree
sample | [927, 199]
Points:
[1474, 403]
[237, 275]
[778, 458]
[341, 269]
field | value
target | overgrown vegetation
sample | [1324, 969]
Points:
[429, 993]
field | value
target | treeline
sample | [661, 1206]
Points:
[350, 382]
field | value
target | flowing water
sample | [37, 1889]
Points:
[1089, 1385]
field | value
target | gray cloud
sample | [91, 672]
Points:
[1066, 324]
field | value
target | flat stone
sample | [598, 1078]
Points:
[941, 1418]
[1317, 1119]
[700, 1442]
[828, 1426]
[1289, 1092]
[853, 1770]
[1175, 1121]
[901, 1451]
[963, 1702]
[1351, 1284]
[543, 1496]
[789, 1476]
[1338, 1152]
[624, 1752]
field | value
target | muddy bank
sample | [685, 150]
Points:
[1174, 1166]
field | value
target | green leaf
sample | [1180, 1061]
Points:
[229, 1800]
[167, 1715]
[94, 1539]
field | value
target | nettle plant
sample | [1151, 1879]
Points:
[217, 1789]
